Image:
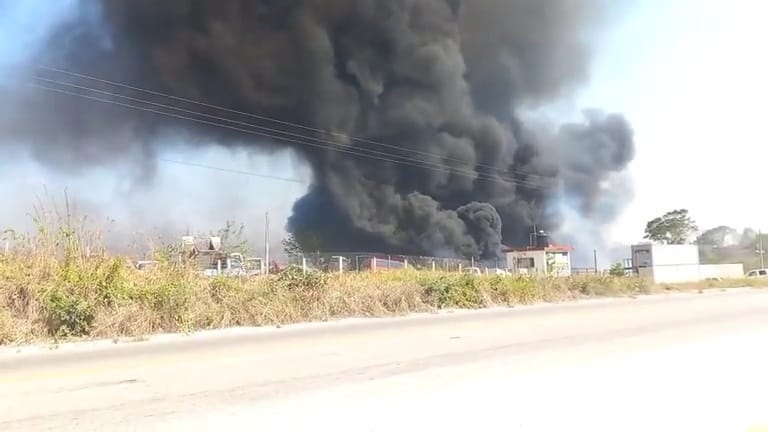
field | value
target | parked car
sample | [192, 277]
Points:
[479, 271]
[758, 273]
[472, 270]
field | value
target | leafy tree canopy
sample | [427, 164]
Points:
[720, 236]
[233, 238]
[291, 246]
[674, 227]
[298, 243]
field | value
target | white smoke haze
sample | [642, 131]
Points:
[135, 216]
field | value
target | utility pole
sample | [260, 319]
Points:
[760, 250]
[266, 242]
[595, 253]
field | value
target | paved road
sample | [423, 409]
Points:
[680, 362]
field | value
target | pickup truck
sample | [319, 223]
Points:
[758, 273]
[235, 265]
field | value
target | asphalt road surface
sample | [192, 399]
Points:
[676, 362]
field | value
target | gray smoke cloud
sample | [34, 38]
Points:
[440, 82]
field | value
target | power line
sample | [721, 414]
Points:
[479, 177]
[282, 122]
[233, 171]
[406, 161]
[356, 151]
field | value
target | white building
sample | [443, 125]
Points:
[677, 264]
[553, 260]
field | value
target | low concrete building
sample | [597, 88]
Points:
[540, 260]
[648, 255]
[678, 264]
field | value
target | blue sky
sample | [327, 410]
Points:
[687, 73]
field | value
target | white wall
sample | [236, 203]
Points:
[691, 272]
[675, 254]
[676, 273]
[539, 259]
[725, 271]
[651, 255]
[562, 262]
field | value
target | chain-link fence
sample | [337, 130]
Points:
[364, 261]
[584, 271]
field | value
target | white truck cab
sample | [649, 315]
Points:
[758, 273]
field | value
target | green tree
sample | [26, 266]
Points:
[170, 253]
[718, 237]
[291, 246]
[674, 227]
[307, 241]
[749, 238]
[233, 238]
[617, 270]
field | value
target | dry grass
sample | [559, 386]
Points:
[57, 284]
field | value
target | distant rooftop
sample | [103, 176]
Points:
[550, 248]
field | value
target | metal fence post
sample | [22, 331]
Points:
[341, 263]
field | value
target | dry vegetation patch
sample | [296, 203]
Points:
[57, 284]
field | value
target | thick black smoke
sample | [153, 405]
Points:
[438, 81]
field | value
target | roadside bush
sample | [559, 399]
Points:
[606, 285]
[68, 313]
[452, 291]
[617, 270]
[295, 280]
[168, 303]
[506, 290]
[223, 288]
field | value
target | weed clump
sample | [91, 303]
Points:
[452, 291]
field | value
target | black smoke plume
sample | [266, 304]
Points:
[439, 82]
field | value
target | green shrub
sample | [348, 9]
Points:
[512, 290]
[452, 291]
[617, 270]
[295, 280]
[637, 285]
[222, 287]
[605, 285]
[523, 290]
[68, 314]
[580, 285]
